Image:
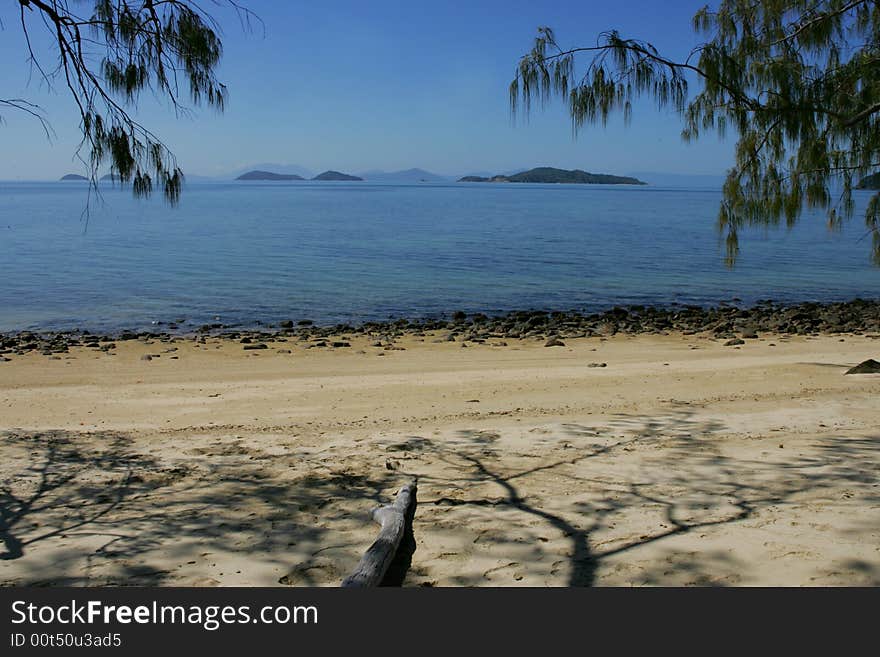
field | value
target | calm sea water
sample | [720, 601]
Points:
[251, 252]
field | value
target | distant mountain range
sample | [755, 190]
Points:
[551, 175]
[73, 176]
[407, 175]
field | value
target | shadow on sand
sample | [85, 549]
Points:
[689, 485]
[125, 505]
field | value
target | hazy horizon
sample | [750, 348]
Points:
[308, 173]
[380, 87]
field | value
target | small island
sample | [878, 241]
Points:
[112, 177]
[551, 175]
[482, 179]
[869, 182]
[335, 175]
[73, 177]
[268, 175]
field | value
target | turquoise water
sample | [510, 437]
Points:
[332, 252]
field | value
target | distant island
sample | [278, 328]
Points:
[537, 175]
[870, 182]
[268, 175]
[551, 175]
[335, 175]
[484, 179]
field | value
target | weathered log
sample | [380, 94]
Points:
[393, 519]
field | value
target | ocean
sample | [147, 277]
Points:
[249, 253]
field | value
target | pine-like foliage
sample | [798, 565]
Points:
[108, 52]
[798, 81]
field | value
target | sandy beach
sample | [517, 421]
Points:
[681, 461]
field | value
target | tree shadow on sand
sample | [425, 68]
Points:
[689, 485]
[109, 510]
[109, 514]
[55, 484]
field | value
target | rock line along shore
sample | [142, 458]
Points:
[667, 458]
[727, 322]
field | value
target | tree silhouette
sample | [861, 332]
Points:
[105, 58]
[798, 80]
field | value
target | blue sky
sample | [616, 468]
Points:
[388, 85]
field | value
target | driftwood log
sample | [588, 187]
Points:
[393, 519]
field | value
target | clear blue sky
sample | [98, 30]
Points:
[354, 85]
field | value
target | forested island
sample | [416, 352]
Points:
[551, 175]
[73, 177]
[335, 175]
[268, 175]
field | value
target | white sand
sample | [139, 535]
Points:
[682, 462]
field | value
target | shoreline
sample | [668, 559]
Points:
[723, 321]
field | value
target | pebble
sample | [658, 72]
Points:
[727, 322]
